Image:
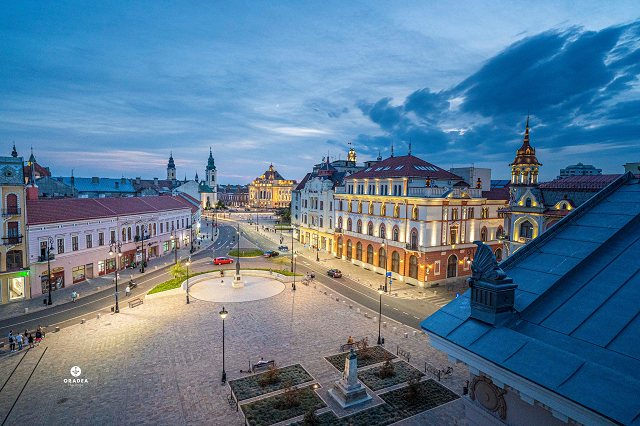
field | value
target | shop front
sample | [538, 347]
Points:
[57, 280]
[128, 259]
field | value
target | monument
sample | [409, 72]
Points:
[348, 391]
[237, 278]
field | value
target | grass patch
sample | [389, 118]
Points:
[248, 387]
[372, 381]
[264, 412]
[377, 354]
[396, 407]
[246, 253]
[173, 283]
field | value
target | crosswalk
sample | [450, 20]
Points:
[436, 300]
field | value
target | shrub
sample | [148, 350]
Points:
[310, 418]
[388, 369]
[271, 376]
[290, 398]
[414, 390]
[365, 351]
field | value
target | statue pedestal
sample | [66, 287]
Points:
[348, 391]
[237, 281]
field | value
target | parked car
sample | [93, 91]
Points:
[271, 253]
[222, 260]
[334, 273]
[283, 248]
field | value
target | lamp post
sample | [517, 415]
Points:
[118, 246]
[384, 245]
[295, 256]
[318, 245]
[292, 248]
[257, 219]
[49, 274]
[188, 263]
[144, 233]
[238, 252]
[380, 291]
[223, 315]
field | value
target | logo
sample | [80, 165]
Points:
[76, 371]
[75, 380]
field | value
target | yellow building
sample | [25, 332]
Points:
[271, 190]
[14, 268]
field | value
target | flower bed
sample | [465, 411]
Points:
[373, 382]
[248, 387]
[264, 412]
[173, 283]
[433, 395]
[377, 355]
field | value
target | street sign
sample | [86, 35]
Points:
[389, 282]
[457, 294]
[388, 274]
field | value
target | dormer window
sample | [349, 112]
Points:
[527, 202]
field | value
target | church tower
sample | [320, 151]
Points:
[351, 156]
[171, 168]
[524, 169]
[211, 172]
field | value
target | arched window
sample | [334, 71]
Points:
[359, 227]
[396, 211]
[370, 229]
[396, 234]
[483, 234]
[499, 255]
[349, 205]
[414, 240]
[413, 267]
[370, 207]
[526, 229]
[137, 231]
[370, 254]
[129, 233]
[452, 266]
[339, 248]
[349, 224]
[124, 235]
[359, 251]
[383, 232]
[382, 258]
[414, 213]
[359, 206]
[340, 222]
[395, 262]
[527, 202]
[499, 232]
[349, 250]
[383, 210]
[12, 204]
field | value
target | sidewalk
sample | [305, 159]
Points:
[439, 295]
[94, 285]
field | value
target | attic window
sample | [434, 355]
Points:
[399, 167]
[416, 167]
[378, 169]
[368, 170]
[386, 168]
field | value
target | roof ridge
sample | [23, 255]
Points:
[97, 200]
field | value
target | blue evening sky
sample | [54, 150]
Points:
[109, 88]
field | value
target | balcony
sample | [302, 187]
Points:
[10, 241]
[43, 258]
[524, 240]
[11, 211]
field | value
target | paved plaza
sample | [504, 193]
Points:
[213, 288]
[161, 362]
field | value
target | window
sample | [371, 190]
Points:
[124, 235]
[78, 273]
[452, 266]
[339, 247]
[499, 255]
[165, 246]
[154, 229]
[113, 236]
[483, 234]
[370, 229]
[16, 288]
[167, 226]
[349, 224]
[340, 222]
[161, 228]
[470, 213]
[414, 213]
[101, 238]
[499, 232]
[359, 227]
[414, 240]
[454, 214]
[129, 233]
[382, 258]
[396, 235]
[383, 232]
[436, 267]
[359, 251]
[526, 229]
[14, 260]
[74, 243]
[89, 239]
[413, 267]
[101, 267]
[13, 233]
[349, 250]
[485, 213]
[330, 205]
[350, 206]
[453, 236]
[395, 262]
[527, 203]
[370, 254]
[330, 223]
[60, 245]
[321, 205]
[321, 225]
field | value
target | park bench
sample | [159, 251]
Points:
[264, 366]
[135, 302]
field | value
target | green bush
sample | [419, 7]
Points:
[246, 253]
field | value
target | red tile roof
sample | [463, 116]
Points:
[404, 166]
[596, 182]
[497, 193]
[70, 209]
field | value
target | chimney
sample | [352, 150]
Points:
[138, 180]
[32, 192]
[123, 180]
[117, 185]
[492, 292]
[155, 181]
[95, 180]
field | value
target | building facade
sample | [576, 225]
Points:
[414, 219]
[14, 267]
[234, 195]
[579, 170]
[271, 190]
[80, 232]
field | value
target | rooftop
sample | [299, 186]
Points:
[589, 182]
[404, 166]
[121, 185]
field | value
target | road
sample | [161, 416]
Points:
[406, 311]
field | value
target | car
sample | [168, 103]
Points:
[271, 253]
[283, 248]
[334, 273]
[222, 260]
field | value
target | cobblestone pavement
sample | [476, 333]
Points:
[160, 363]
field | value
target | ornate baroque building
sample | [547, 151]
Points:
[271, 190]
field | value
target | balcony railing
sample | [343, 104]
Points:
[524, 239]
[43, 258]
[9, 241]
[12, 211]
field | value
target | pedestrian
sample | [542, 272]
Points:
[127, 290]
[30, 340]
[12, 343]
[19, 340]
[38, 337]
[73, 296]
[270, 271]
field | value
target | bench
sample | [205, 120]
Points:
[263, 366]
[135, 302]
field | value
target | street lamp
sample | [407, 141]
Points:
[50, 275]
[118, 246]
[223, 315]
[384, 245]
[318, 245]
[188, 263]
[295, 256]
[380, 291]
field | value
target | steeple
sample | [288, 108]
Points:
[211, 165]
[524, 169]
[171, 168]
[392, 148]
[409, 146]
[32, 159]
[197, 180]
[210, 172]
[379, 156]
[14, 153]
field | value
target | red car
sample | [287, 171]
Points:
[222, 260]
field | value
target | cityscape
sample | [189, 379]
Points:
[320, 214]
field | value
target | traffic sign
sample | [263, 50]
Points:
[388, 274]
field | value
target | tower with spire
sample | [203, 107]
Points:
[171, 168]
[32, 158]
[524, 169]
[351, 156]
[211, 174]
[14, 153]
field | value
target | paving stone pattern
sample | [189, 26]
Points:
[160, 363]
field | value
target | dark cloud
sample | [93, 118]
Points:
[381, 113]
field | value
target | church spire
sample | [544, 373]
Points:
[14, 153]
[409, 146]
[32, 158]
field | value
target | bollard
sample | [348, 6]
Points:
[98, 316]
[343, 301]
[350, 306]
[415, 333]
[384, 324]
[331, 295]
[26, 310]
[82, 321]
[375, 318]
[337, 300]
[394, 329]
[406, 335]
[57, 329]
[358, 310]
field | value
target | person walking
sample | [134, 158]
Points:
[38, 337]
[12, 342]
[30, 340]
[19, 341]
[73, 296]
[127, 290]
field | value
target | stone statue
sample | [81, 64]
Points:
[484, 266]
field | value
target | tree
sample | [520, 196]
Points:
[387, 370]
[220, 205]
[414, 391]
[285, 214]
[271, 376]
[178, 271]
[310, 418]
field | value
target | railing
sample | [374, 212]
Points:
[440, 374]
[524, 239]
[43, 258]
[13, 211]
[338, 230]
[8, 241]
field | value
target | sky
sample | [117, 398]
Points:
[111, 88]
